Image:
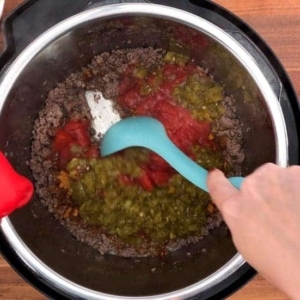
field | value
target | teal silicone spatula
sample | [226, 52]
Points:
[149, 133]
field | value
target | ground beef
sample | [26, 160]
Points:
[68, 100]
[229, 129]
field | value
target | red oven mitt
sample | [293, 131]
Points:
[15, 189]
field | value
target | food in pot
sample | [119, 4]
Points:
[133, 203]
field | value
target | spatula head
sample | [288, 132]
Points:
[132, 132]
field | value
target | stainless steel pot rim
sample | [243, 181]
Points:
[158, 11]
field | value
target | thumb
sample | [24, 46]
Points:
[220, 188]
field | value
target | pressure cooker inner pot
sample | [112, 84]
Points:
[41, 232]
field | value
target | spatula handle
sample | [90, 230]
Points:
[186, 166]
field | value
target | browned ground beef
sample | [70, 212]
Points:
[67, 100]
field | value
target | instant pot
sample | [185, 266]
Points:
[38, 56]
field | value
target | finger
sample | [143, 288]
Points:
[220, 188]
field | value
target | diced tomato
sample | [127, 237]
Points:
[183, 144]
[188, 134]
[79, 130]
[72, 125]
[92, 152]
[82, 136]
[127, 84]
[72, 141]
[159, 177]
[130, 100]
[144, 108]
[65, 156]
[126, 180]
[145, 182]
[61, 140]
[167, 88]
[161, 96]
[167, 113]
[76, 124]
[157, 162]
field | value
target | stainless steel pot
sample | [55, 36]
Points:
[47, 249]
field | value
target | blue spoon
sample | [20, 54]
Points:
[149, 133]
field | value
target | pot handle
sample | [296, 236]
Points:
[30, 19]
[16, 190]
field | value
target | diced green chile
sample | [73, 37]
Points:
[202, 96]
[128, 211]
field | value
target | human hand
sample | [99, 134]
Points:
[264, 220]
